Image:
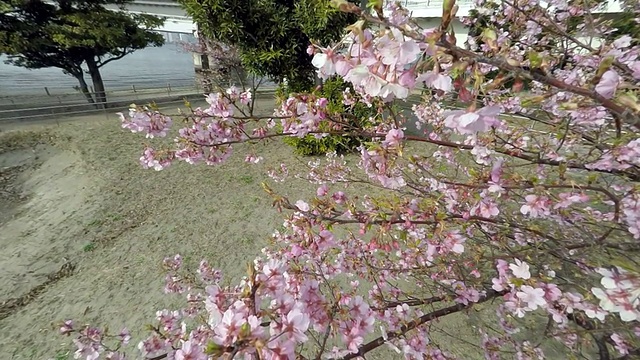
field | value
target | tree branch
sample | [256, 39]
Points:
[414, 302]
[530, 158]
[420, 321]
[125, 52]
[600, 341]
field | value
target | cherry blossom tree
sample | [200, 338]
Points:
[522, 206]
[221, 64]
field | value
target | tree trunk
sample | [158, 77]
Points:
[98, 84]
[84, 87]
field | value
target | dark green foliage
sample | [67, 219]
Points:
[358, 116]
[625, 24]
[271, 35]
[68, 34]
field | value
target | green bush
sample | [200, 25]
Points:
[358, 115]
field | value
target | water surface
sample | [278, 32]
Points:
[146, 68]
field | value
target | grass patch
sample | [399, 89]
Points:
[89, 247]
[61, 355]
[16, 140]
[247, 179]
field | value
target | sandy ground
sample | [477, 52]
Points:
[83, 230]
[79, 196]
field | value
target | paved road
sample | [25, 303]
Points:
[264, 105]
[46, 107]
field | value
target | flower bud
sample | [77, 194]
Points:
[358, 29]
[447, 13]
[213, 349]
[513, 62]
[518, 85]
[568, 106]
[489, 36]
[604, 66]
[629, 100]
[535, 60]
[245, 330]
[343, 5]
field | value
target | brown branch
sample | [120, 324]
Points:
[617, 110]
[124, 53]
[420, 321]
[359, 218]
[588, 138]
[414, 302]
[600, 341]
[327, 332]
[532, 159]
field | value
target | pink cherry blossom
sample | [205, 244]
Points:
[152, 123]
[436, 81]
[326, 67]
[302, 206]
[190, 351]
[620, 344]
[67, 327]
[534, 298]
[393, 138]
[396, 50]
[486, 208]
[245, 97]
[520, 269]
[296, 324]
[608, 84]
[322, 190]
[536, 206]
[472, 122]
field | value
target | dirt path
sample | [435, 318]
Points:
[57, 200]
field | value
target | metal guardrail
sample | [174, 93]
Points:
[52, 95]
[37, 109]
[27, 114]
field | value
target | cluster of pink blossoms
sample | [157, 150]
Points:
[621, 293]
[152, 123]
[302, 115]
[380, 66]
[214, 130]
